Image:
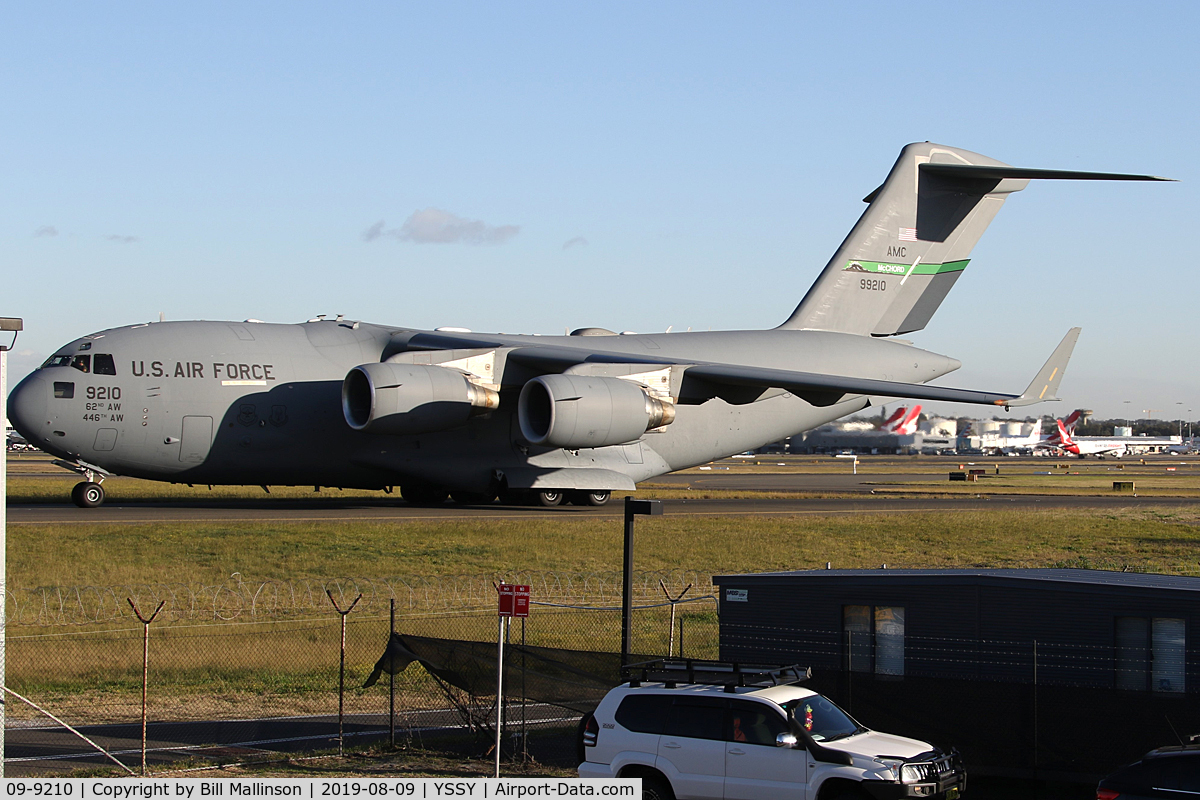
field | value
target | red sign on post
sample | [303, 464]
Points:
[514, 600]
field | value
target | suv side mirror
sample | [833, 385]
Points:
[785, 740]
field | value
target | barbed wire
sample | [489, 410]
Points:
[239, 598]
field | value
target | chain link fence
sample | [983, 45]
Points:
[247, 667]
[1014, 707]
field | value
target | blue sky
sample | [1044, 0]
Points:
[634, 166]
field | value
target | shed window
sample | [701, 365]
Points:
[874, 639]
[1150, 654]
[1132, 654]
[856, 622]
[1166, 644]
[889, 640]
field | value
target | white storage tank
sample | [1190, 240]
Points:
[988, 426]
[940, 426]
[1013, 428]
[1123, 430]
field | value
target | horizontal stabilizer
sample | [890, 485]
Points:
[985, 171]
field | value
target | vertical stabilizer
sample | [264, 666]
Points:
[906, 251]
[908, 248]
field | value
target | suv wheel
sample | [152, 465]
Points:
[656, 788]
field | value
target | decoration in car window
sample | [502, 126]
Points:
[808, 718]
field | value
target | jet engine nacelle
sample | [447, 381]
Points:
[411, 398]
[574, 411]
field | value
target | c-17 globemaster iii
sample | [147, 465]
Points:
[344, 403]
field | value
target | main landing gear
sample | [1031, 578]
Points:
[548, 498]
[425, 495]
[87, 494]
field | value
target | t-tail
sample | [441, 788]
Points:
[914, 240]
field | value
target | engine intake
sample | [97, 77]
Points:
[575, 411]
[410, 398]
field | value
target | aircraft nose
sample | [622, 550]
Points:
[27, 407]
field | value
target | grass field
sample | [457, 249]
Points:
[1156, 540]
[206, 668]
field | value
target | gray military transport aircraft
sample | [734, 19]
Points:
[537, 419]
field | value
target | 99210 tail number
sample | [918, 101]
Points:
[873, 284]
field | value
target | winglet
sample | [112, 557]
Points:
[1044, 386]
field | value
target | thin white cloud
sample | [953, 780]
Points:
[119, 239]
[435, 226]
[577, 241]
[46, 230]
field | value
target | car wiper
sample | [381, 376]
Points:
[847, 734]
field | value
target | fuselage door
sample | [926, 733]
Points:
[196, 439]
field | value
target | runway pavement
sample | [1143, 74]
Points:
[228, 511]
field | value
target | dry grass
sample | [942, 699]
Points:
[1161, 540]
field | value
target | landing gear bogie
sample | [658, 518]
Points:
[588, 498]
[547, 498]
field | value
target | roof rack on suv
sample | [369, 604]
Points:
[672, 671]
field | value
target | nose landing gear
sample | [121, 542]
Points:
[87, 494]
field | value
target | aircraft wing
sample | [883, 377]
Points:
[818, 388]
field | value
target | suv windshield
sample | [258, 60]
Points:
[823, 720]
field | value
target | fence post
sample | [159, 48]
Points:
[499, 689]
[392, 681]
[671, 627]
[1035, 705]
[524, 702]
[145, 665]
[342, 671]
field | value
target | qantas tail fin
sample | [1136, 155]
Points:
[909, 426]
[895, 419]
[1064, 436]
[908, 248]
[1071, 421]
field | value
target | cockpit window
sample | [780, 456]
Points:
[57, 361]
[82, 363]
[103, 364]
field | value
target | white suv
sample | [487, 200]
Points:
[693, 729]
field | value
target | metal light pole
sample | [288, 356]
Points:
[632, 508]
[14, 325]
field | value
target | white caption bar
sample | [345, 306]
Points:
[194, 788]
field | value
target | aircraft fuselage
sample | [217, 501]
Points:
[258, 403]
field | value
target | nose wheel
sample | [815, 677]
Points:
[87, 494]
